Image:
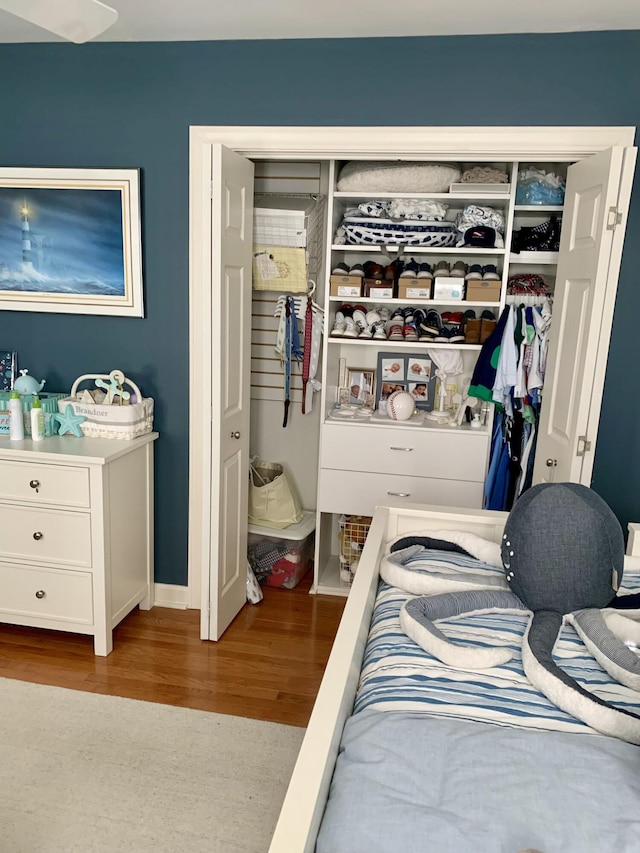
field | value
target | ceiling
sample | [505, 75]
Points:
[207, 20]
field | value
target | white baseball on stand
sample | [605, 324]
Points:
[400, 406]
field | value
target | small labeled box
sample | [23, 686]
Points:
[414, 288]
[282, 557]
[346, 286]
[378, 289]
[449, 289]
[483, 291]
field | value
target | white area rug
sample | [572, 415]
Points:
[80, 772]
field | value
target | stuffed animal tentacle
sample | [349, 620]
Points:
[607, 647]
[547, 677]
[418, 615]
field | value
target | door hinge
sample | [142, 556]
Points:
[614, 218]
[586, 445]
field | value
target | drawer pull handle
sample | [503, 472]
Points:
[35, 484]
[40, 593]
[405, 449]
[38, 535]
[400, 494]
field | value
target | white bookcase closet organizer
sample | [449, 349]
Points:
[358, 466]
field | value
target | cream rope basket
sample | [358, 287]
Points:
[125, 421]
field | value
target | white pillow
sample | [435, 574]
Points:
[373, 177]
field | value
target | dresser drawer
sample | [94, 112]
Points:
[360, 493]
[46, 593]
[37, 483]
[49, 535]
[452, 455]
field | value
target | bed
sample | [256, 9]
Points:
[428, 760]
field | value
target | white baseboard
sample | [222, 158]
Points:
[171, 595]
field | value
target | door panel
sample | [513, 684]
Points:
[582, 298]
[232, 222]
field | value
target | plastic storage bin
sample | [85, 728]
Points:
[282, 557]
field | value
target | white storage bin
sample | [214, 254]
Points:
[282, 557]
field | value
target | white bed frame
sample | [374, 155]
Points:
[304, 804]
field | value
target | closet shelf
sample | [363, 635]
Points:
[550, 258]
[418, 250]
[538, 208]
[415, 303]
[459, 197]
[387, 344]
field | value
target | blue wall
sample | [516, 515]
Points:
[130, 105]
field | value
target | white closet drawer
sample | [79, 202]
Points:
[29, 481]
[49, 535]
[360, 493]
[413, 451]
[46, 593]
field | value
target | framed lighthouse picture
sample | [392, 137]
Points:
[70, 241]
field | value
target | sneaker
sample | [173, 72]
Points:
[459, 269]
[351, 330]
[372, 317]
[442, 268]
[340, 269]
[338, 325]
[432, 325]
[357, 269]
[379, 333]
[419, 318]
[490, 273]
[475, 273]
[410, 331]
[396, 326]
[425, 271]
[411, 269]
[456, 335]
[442, 337]
[384, 313]
[366, 332]
[456, 318]
[360, 316]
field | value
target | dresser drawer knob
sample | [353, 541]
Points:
[38, 535]
[40, 593]
[400, 494]
[35, 484]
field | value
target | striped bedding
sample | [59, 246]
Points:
[397, 675]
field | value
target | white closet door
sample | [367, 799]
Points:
[232, 224]
[598, 190]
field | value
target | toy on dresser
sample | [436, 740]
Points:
[109, 410]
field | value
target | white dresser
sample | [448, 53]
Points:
[76, 533]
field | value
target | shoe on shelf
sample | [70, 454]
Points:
[338, 325]
[393, 270]
[459, 269]
[410, 331]
[351, 330]
[425, 271]
[419, 318]
[474, 273]
[490, 273]
[396, 326]
[360, 316]
[347, 310]
[471, 327]
[455, 318]
[487, 325]
[442, 268]
[456, 335]
[372, 269]
[357, 269]
[446, 316]
[366, 332]
[340, 269]
[432, 325]
[379, 333]
[411, 269]
[384, 313]
[442, 337]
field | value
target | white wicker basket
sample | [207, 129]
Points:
[111, 421]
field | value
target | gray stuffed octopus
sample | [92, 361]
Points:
[563, 555]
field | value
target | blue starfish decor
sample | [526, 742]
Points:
[70, 422]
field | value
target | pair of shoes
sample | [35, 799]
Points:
[402, 325]
[372, 326]
[452, 317]
[445, 269]
[450, 335]
[343, 269]
[477, 272]
[372, 269]
[413, 269]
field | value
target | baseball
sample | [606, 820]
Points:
[400, 406]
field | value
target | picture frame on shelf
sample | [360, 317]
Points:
[412, 372]
[70, 241]
[361, 386]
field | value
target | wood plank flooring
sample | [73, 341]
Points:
[268, 665]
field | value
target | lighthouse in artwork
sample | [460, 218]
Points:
[27, 256]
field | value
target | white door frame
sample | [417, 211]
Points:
[488, 144]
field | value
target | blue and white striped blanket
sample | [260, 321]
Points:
[398, 675]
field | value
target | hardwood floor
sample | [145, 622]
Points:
[268, 665]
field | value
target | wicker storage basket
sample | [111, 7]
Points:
[111, 421]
